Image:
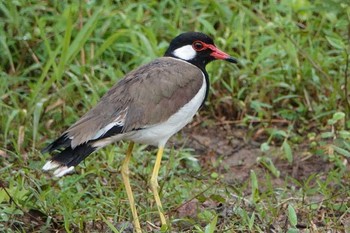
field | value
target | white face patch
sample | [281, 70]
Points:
[185, 52]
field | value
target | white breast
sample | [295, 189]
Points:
[159, 134]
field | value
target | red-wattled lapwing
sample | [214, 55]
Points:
[148, 106]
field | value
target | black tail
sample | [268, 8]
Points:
[72, 157]
[66, 155]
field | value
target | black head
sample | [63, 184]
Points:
[196, 48]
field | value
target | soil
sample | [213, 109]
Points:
[240, 156]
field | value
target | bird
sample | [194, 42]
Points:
[148, 105]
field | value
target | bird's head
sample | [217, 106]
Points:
[196, 48]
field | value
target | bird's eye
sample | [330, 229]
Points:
[198, 46]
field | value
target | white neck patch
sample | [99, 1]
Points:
[185, 52]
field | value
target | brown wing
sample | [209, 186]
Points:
[146, 96]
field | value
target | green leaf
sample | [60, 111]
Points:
[338, 116]
[344, 134]
[65, 44]
[341, 151]
[110, 225]
[279, 133]
[288, 151]
[198, 229]
[264, 147]
[3, 196]
[327, 135]
[210, 228]
[336, 42]
[36, 119]
[331, 122]
[251, 221]
[208, 26]
[218, 198]
[110, 41]
[214, 175]
[292, 216]
[347, 145]
[267, 162]
[292, 230]
[255, 186]
[83, 35]
[9, 120]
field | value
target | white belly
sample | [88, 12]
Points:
[159, 134]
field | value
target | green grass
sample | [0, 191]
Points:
[289, 95]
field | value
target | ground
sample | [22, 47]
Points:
[238, 158]
[229, 158]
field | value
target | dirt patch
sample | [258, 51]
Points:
[239, 156]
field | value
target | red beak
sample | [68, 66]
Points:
[220, 55]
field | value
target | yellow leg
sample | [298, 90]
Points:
[125, 175]
[154, 184]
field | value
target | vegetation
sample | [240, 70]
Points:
[288, 96]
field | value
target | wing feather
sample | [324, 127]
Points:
[144, 97]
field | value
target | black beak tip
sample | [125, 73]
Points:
[232, 60]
